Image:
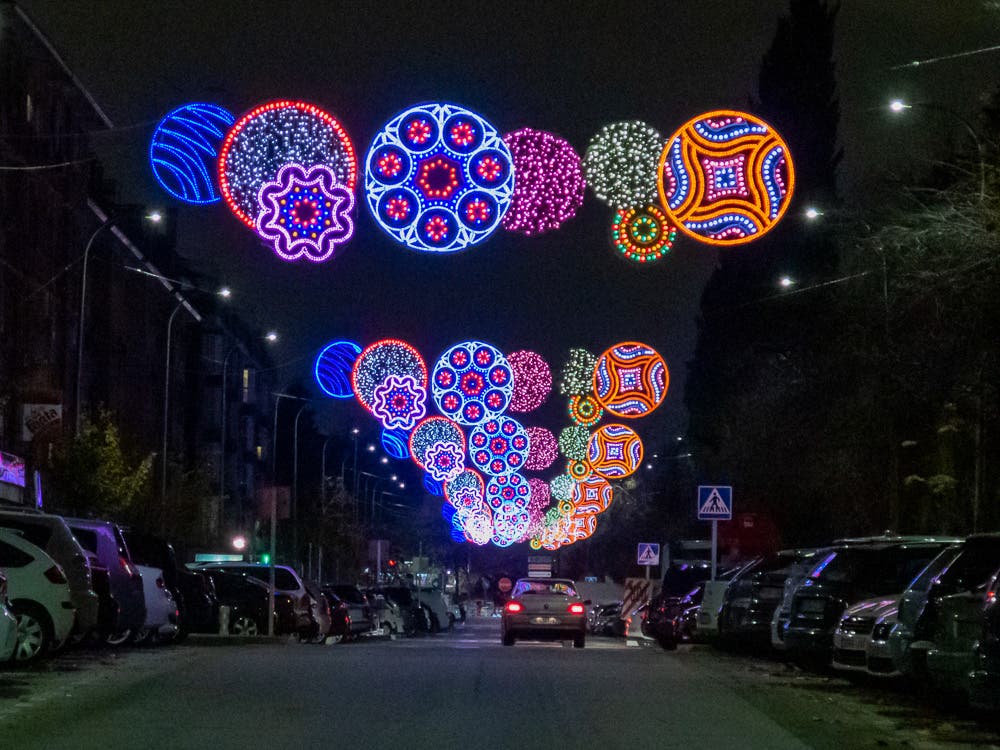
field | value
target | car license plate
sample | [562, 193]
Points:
[546, 620]
[854, 643]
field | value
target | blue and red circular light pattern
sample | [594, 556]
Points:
[510, 490]
[499, 446]
[472, 382]
[439, 178]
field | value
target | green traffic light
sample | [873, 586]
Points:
[265, 559]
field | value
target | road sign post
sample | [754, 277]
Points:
[715, 503]
[648, 554]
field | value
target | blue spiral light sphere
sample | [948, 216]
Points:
[333, 368]
[184, 150]
[396, 443]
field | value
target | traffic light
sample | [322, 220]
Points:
[265, 559]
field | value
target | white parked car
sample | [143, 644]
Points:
[433, 600]
[39, 597]
[162, 617]
[8, 624]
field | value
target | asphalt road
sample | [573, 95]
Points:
[456, 690]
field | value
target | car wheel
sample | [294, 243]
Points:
[33, 633]
[318, 638]
[142, 637]
[508, 639]
[580, 641]
[119, 637]
[244, 625]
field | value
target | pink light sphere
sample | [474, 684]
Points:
[549, 184]
[543, 449]
[532, 381]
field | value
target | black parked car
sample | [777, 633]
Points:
[984, 681]
[672, 611]
[340, 616]
[846, 575]
[753, 595]
[246, 598]
[192, 590]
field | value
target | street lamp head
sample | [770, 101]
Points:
[394, 478]
[898, 105]
[239, 543]
[812, 213]
[384, 460]
[785, 282]
[371, 448]
[155, 216]
[225, 292]
[271, 336]
[355, 431]
[402, 485]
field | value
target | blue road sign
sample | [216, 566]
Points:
[648, 554]
[715, 503]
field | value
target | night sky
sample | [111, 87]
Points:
[565, 67]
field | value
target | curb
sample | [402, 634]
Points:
[211, 639]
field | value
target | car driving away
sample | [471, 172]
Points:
[544, 609]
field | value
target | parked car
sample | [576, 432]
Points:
[319, 609]
[298, 619]
[795, 573]
[852, 638]
[847, 575]
[8, 624]
[162, 616]
[911, 605]
[606, 619]
[191, 590]
[340, 617]
[359, 610]
[754, 593]
[386, 612]
[104, 539]
[415, 619]
[544, 609]
[437, 608]
[949, 628]
[984, 680]
[672, 612]
[247, 600]
[39, 596]
[50, 533]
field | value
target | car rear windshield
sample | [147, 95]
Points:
[283, 580]
[36, 533]
[879, 570]
[544, 588]
[400, 596]
[86, 538]
[926, 577]
[349, 594]
[979, 560]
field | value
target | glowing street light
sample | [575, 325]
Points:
[384, 460]
[786, 282]
[812, 213]
[898, 105]
[271, 336]
[371, 447]
[225, 292]
[155, 216]
[239, 543]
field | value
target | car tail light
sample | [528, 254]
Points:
[514, 607]
[126, 566]
[576, 609]
[55, 574]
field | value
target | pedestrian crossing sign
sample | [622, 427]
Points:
[648, 553]
[715, 503]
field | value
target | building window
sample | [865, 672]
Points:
[29, 109]
[260, 452]
[246, 386]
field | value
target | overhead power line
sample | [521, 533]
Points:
[953, 56]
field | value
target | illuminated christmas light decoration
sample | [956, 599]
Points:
[466, 490]
[578, 470]
[444, 460]
[592, 495]
[541, 497]
[581, 526]
[478, 525]
[333, 368]
[184, 149]
[615, 451]
[549, 187]
[305, 212]
[510, 489]
[510, 524]
[434, 487]
[472, 382]
[725, 178]
[434, 431]
[272, 135]
[573, 442]
[565, 507]
[499, 446]
[585, 410]
[380, 360]
[399, 401]
[396, 443]
[642, 234]
[532, 381]
[439, 178]
[542, 449]
[620, 164]
[630, 379]
[562, 487]
[577, 376]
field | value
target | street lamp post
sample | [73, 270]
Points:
[166, 413]
[154, 217]
[322, 463]
[223, 424]
[295, 484]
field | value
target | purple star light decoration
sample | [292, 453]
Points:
[305, 212]
[400, 401]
